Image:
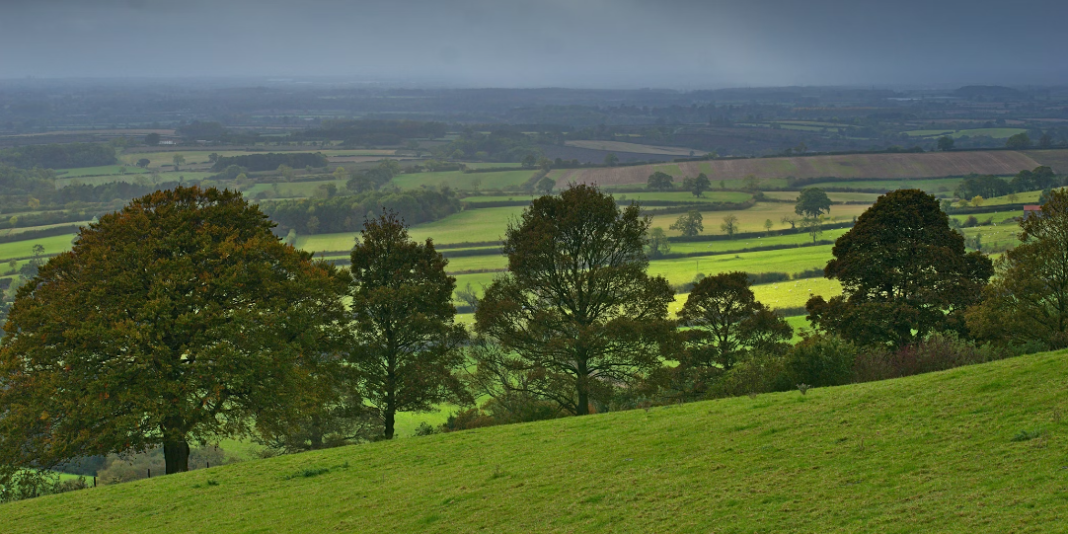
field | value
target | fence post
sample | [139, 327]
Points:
[149, 473]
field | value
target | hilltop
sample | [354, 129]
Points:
[974, 449]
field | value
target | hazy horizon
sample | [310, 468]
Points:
[674, 44]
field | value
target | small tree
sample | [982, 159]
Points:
[697, 185]
[789, 219]
[152, 139]
[658, 244]
[945, 143]
[730, 225]
[812, 202]
[727, 320]
[812, 226]
[977, 201]
[546, 185]
[689, 224]
[529, 161]
[768, 225]
[407, 343]
[178, 160]
[611, 160]
[143, 163]
[661, 181]
[1018, 141]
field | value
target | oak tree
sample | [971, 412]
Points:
[577, 315]
[689, 224]
[904, 274]
[661, 181]
[407, 344]
[812, 202]
[180, 318]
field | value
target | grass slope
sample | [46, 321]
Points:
[933, 453]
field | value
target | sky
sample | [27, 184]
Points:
[683, 44]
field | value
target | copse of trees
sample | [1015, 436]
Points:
[271, 161]
[346, 213]
[577, 317]
[661, 181]
[65, 156]
[179, 319]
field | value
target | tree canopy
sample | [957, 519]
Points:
[904, 273]
[1028, 299]
[406, 341]
[812, 202]
[577, 316]
[689, 224]
[697, 185]
[180, 318]
[661, 181]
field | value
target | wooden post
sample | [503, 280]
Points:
[149, 473]
[94, 481]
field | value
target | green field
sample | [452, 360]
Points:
[931, 453]
[793, 260]
[24, 249]
[105, 170]
[936, 185]
[752, 219]
[293, 189]
[465, 181]
[870, 198]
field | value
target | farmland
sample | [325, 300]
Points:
[944, 439]
[621, 146]
[888, 166]
[996, 133]
[465, 181]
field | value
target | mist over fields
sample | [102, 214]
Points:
[593, 43]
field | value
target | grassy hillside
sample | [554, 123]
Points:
[947, 452]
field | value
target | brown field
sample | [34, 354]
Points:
[891, 166]
[621, 146]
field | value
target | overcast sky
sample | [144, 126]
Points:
[539, 43]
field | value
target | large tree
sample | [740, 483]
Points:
[697, 185]
[1028, 299]
[577, 315]
[904, 274]
[180, 318]
[407, 343]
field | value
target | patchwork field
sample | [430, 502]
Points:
[465, 180]
[940, 452]
[752, 219]
[891, 166]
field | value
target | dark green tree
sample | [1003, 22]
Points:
[152, 139]
[577, 316]
[661, 181]
[1028, 300]
[730, 225]
[697, 185]
[179, 319]
[658, 244]
[945, 143]
[812, 202]
[407, 344]
[545, 186]
[904, 274]
[143, 163]
[611, 160]
[1018, 141]
[689, 224]
[727, 320]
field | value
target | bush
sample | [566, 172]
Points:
[819, 361]
[759, 373]
[936, 353]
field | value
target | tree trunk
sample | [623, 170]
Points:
[583, 407]
[390, 420]
[176, 455]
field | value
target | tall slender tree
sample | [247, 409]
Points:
[577, 315]
[180, 318]
[407, 344]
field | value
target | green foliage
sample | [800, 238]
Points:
[697, 185]
[689, 224]
[65, 156]
[577, 316]
[1028, 301]
[1018, 141]
[545, 185]
[821, 361]
[904, 274]
[661, 181]
[945, 143]
[346, 213]
[407, 345]
[178, 319]
[812, 202]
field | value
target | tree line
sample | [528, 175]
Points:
[271, 161]
[346, 213]
[59, 156]
[182, 319]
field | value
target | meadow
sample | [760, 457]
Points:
[752, 219]
[996, 133]
[973, 449]
[634, 148]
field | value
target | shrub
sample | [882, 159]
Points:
[820, 361]
[758, 373]
[940, 351]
